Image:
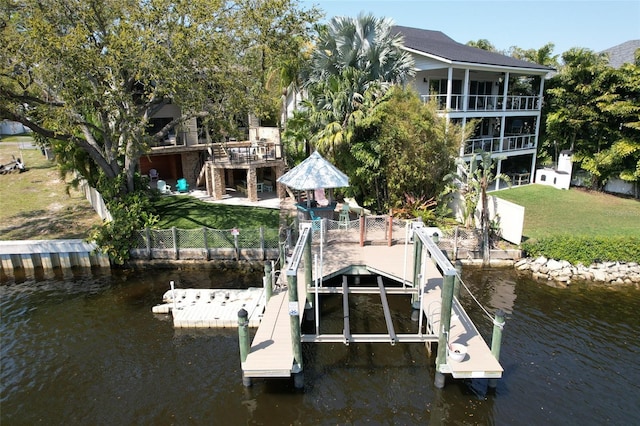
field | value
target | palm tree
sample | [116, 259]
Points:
[474, 180]
[365, 43]
[354, 63]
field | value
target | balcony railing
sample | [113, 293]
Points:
[506, 144]
[486, 102]
[245, 152]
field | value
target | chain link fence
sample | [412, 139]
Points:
[267, 243]
[206, 244]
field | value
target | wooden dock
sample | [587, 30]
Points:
[271, 353]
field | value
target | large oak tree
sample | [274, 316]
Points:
[89, 74]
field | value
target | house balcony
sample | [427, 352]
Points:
[507, 144]
[244, 153]
[485, 102]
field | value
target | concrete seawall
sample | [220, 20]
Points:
[30, 255]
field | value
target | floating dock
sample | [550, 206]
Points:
[212, 308]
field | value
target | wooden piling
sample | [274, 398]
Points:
[457, 281]
[445, 325]
[496, 341]
[243, 337]
[294, 316]
[268, 282]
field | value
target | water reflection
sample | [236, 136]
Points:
[87, 350]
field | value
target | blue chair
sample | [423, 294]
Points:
[316, 222]
[182, 185]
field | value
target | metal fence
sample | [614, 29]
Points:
[206, 243]
[268, 243]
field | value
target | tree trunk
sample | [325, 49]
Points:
[484, 224]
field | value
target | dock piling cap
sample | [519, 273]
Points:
[242, 313]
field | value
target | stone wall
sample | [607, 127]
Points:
[564, 272]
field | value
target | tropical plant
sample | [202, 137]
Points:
[353, 64]
[473, 180]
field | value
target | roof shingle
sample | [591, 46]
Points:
[438, 44]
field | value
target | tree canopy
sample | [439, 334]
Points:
[88, 75]
[593, 110]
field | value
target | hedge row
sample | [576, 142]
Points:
[585, 250]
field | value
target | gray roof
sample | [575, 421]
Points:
[314, 172]
[438, 44]
[622, 53]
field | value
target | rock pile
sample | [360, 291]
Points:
[564, 272]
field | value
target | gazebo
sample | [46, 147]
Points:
[314, 175]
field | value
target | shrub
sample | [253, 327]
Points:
[585, 250]
[130, 213]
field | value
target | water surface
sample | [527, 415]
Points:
[86, 349]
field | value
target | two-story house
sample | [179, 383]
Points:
[500, 93]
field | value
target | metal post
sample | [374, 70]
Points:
[294, 315]
[174, 233]
[390, 234]
[243, 337]
[445, 325]
[308, 268]
[282, 255]
[456, 283]
[417, 267]
[496, 341]
[268, 281]
[361, 229]
[206, 243]
[147, 234]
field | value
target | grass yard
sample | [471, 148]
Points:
[577, 212]
[185, 212]
[34, 205]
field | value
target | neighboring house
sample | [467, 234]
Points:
[8, 127]
[622, 53]
[250, 163]
[503, 94]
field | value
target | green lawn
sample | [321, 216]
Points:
[36, 203]
[185, 212]
[550, 211]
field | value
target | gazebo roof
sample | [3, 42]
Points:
[314, 172]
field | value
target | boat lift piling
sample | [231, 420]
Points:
[243, 337]
[303, 247]
[268, 282]
[496, 341]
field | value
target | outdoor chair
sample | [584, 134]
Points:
[316, 222]
[182, 185]
[163, 187]
[153, 175]
[343, 219]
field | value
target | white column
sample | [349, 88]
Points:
[465, 91]
[498, 171]
[449, 87]
[505, 91]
